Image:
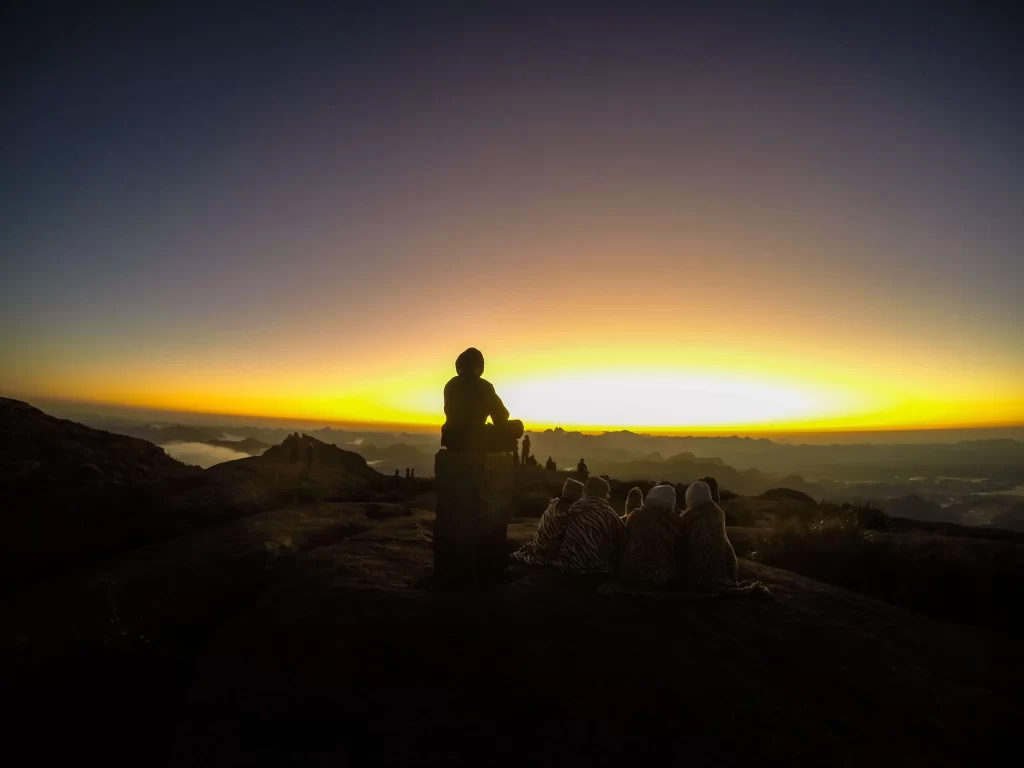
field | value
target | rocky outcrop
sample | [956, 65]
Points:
[475, 493]
[71, 494]
[303, 635]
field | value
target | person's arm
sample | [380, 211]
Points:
[447, 408]
[496, 409]
[732, 565]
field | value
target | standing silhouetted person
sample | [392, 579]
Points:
[469, 400]
[412, 473]
[526, 449]
[408, 475]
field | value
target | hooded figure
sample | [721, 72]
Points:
[651, 534]
[634, 500]
[469, 400]
[713, 485]
[543, 550]
[706, 559]
[595, 537]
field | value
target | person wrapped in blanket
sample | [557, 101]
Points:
[596, 536]
[706, 559]
[543, 549]
[652, 531]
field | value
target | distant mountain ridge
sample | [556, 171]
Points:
[71, 493]
[972, 480]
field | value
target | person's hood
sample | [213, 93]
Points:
[469, 362]
[663, 496]
[698, 493]
[634, 500]
[572, 490]
[596, 488]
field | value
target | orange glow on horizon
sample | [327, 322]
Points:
[769, 357]
[646, 399]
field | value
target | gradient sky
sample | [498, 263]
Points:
[711, 219]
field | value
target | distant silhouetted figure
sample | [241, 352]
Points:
[469, 400]
[526, 448]
[550, 465]
[408, 474]
[309, 455]
[582, 471]
[531, 461]
[412, 473]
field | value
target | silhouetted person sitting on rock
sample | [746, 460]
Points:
[550, 465]
[543, 550]
[469, 401]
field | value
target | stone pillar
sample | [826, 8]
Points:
[474, 502]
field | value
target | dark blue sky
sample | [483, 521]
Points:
[172, 177]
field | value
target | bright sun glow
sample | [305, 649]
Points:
[659, 399]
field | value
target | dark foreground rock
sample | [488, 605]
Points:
[71, 495]
[305, 635]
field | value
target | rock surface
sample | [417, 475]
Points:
[305, 634]
[71, 494]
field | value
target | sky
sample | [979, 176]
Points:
[726, 217]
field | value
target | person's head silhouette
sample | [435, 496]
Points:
[470, 363]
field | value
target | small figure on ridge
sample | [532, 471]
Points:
[582, 471]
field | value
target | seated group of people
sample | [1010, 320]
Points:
[652, 545]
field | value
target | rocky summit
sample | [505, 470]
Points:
[269, 618]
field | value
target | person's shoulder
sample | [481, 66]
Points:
[485, 384]
[607, 509]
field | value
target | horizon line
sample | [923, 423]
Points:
[426, 427]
